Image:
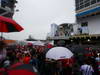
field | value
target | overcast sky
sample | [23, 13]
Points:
[36, 17]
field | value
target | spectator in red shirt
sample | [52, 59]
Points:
[26, 59]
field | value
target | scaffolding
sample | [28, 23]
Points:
[7, 8]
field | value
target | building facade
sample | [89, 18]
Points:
[85, 4]
[88, 16]
[60, 34]
[87, 26]
[54, 28]
[86, 29]
[62, 31]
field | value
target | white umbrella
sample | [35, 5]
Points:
[57, 53]
[39, 43]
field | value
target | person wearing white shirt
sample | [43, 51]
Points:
[86, 69]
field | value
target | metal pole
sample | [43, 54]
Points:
[1, 35]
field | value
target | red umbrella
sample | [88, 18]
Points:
[19, 69]
[16, 64]
[21, 72]
[9, 25]
[17, 72]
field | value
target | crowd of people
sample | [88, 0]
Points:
[35, 56]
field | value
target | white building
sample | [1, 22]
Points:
[62, 31]
[53, 29]
[87, 17]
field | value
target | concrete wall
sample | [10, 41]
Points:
[93, 24]
[75, 29]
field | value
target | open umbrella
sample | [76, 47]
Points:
[38, 43]
[9, 25]
[20, 66]
[19, 69]
[20, 72]
[58, 53]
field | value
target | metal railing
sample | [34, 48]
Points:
[88, 7]
[59, 37]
